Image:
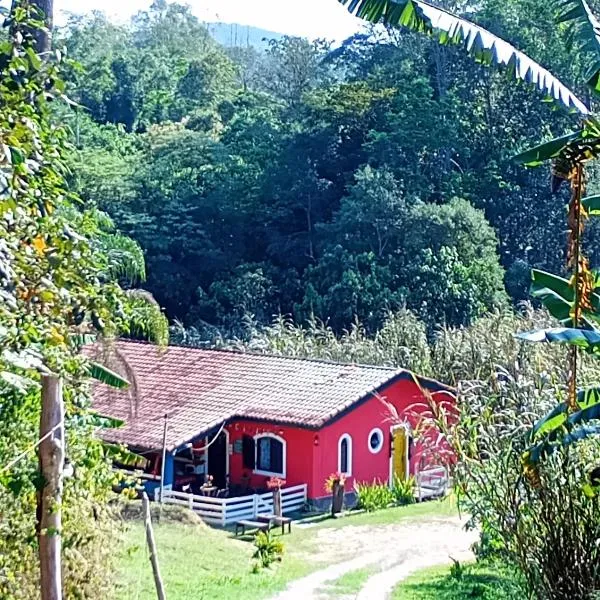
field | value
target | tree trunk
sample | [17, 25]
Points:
[160, 590]
[52, 458]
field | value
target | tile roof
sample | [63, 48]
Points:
[199, 389]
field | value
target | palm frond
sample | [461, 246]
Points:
[485, 47]
[124, 257]
[584, 33]
[146, 317]
[107, 376]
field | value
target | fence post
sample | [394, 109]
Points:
[255, 505]
[191, 502]
[224, 512]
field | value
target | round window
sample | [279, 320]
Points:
[375, 440]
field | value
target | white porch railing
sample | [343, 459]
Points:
[431, 482]
[226, 511]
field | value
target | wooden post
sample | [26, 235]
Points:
[160, 590]
[52, 458]
[277, 508]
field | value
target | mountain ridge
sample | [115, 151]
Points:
[235, 34]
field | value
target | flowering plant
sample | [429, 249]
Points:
[275, 483]
[334, 478]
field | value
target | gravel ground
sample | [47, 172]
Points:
[394, 551]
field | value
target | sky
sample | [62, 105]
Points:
[292, 17]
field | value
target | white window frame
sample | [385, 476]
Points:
[348, 438]
[257, 437]
[381, 437]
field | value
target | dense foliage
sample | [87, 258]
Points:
[306, 180]
[58, 263]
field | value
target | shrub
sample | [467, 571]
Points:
[403, 490]
[548, 530]
[374, 496]
[268, 549]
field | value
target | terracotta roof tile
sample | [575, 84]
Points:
[199, 389]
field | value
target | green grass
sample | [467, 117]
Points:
[350, 583]
[432, 509]
[200, 562]
[485, 582]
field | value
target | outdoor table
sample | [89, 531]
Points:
[208, 490]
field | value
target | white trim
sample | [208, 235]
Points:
[381, 437]
[407, 428]
[348, 438]
[283, 458]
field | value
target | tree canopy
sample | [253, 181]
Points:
[315, 181]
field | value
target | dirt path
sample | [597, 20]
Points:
[394, 550]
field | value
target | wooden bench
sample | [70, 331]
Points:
[275, 520]
[259, 525]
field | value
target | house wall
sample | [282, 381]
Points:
[299, 452]
[312, 455]
[403, 395]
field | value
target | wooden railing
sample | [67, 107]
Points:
[226, 511]
[432, 482]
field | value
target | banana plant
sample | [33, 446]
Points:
[574, 302]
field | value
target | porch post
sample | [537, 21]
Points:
[169, 470]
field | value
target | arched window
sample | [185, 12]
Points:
[345, 455]
[270, 454]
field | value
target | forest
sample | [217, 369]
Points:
[304, 179]
[362, 202]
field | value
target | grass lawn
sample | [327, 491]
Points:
[199, 562]
[485, 582]
[350, 583]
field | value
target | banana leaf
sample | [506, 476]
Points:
[584, 32]
[592, 205]
[547, 447]
[533, 157]
[558, 296]
[479, 43]
[104, 421]
[587, 339]
[105, 375]
[558, 416]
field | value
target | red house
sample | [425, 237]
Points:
[243, 418]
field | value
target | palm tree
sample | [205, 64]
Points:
[573, 302]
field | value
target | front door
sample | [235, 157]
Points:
[399, 453]
[217, 460]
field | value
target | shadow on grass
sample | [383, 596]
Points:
[475, 582]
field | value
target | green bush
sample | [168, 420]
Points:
[403, 491]
[374, 496]
[268, 550]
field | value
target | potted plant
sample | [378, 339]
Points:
[335, 485]
[275, 484]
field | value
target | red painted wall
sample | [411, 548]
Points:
[299, 452]
[313, 455]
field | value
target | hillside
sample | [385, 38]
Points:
[235, 35]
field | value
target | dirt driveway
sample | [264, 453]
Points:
[392, 551]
